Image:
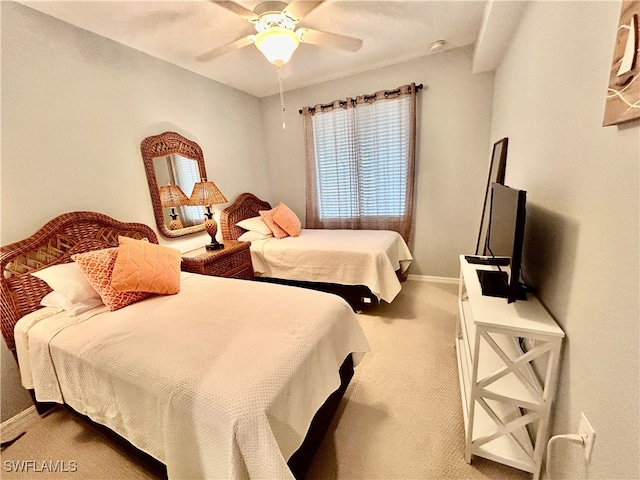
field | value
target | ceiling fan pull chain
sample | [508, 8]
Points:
[284, 126]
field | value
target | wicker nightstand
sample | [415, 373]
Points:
[234, 260]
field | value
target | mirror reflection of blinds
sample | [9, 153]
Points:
[172, 178]
[186, 174]
[361, 159]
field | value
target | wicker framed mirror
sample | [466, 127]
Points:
[170, 161]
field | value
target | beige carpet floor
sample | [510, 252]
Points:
[401, 417]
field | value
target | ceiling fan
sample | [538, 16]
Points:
[276, 36]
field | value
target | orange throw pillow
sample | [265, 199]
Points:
[97, 265]
[146, 267]
[267, 216]
[287, 220]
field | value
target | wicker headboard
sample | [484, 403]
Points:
[246, 206]
[65, 235]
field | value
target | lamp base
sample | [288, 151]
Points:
[211, 227]
[175, 225]
[214, 246]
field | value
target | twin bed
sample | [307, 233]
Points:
[226, 379]
[363, 266]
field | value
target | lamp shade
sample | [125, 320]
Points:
[277, 44]
[172, 196]
[206, 193]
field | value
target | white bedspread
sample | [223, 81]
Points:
[218, 381]
[347, 257]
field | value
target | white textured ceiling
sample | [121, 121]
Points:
[178, 31]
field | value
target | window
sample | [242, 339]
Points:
[360, 162]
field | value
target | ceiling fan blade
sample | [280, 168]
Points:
[238, 10]
[326, 39]
[216, 52]
[297, 9]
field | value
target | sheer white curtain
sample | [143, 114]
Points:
[360, 156]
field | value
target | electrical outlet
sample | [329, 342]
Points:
[588, 434]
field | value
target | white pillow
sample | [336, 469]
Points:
[250, 236]
[57, 300]
[255, 224]
[69, 280]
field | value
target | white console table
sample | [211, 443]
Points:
[508, 357]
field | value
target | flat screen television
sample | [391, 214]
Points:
[505, 236]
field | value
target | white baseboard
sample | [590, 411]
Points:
[429, 278]
[17, 420]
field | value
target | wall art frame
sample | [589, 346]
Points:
[623, 93]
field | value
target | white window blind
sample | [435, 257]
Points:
[361, 160]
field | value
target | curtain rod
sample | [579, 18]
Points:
[418, 87]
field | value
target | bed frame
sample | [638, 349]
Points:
[66, 235]
[248, 205]
[80, 232]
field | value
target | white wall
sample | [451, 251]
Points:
[454, 148]
[582, 248]
[75, 107]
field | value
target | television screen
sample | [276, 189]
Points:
[505, 236]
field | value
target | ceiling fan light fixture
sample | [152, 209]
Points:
[277, 44]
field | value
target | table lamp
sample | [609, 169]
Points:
[172, 196]
[206, 194]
